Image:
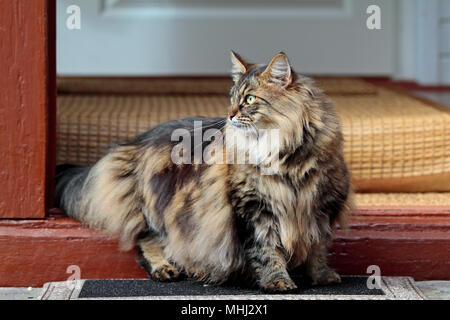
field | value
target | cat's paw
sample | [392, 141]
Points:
[324, 277]
[165, 273]
[279, 286]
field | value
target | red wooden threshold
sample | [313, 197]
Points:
[402, 241]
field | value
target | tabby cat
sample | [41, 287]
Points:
[220, 221]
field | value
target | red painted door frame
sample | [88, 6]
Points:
[27, 106]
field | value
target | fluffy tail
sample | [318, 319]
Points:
[69, 183]
[102, 197]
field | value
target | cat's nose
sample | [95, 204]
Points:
[232, 113]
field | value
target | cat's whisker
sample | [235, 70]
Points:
[219, 122]
[201, 142]
[255, 129]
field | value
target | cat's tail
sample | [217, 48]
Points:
[69, 182]
[104, 196]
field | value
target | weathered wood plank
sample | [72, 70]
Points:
[27, 106]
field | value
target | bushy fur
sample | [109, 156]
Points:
[219, 221]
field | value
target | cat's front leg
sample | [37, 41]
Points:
[317, 268]
[270, 269]
[152, 260]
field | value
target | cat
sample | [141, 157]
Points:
[219, 221]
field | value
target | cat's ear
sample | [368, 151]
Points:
[239, 66]
[278, 71]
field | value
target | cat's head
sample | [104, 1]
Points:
[268, 96]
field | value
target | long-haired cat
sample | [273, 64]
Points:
[219, 220]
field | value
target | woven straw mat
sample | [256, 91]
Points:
[388, 135]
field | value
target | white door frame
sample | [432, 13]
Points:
[427, 47]
[419, 42]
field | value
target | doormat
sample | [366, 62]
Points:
[353, 287]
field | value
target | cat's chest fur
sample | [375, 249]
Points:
[273, 202]
[271, 192]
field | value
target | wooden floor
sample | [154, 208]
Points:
[442, 97]
[439, 94]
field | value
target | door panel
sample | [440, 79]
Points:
[194, 37]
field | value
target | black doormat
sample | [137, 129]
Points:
[142, 288]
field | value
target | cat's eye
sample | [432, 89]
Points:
[250, 99]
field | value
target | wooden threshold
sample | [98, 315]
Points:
[402, 241]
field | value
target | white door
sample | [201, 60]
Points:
[194, 37]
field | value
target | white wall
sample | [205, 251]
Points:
[405, 57]
[423, 41]
[444, 42]
[194, 37]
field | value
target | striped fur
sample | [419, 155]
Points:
[218, 222]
